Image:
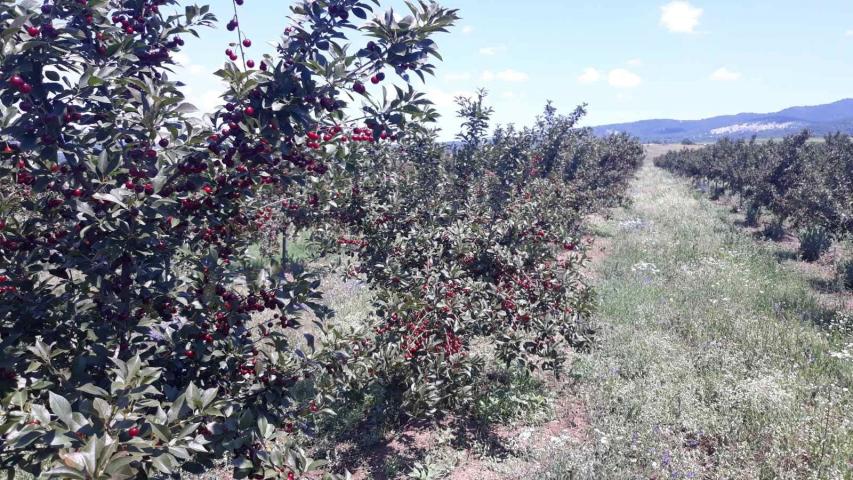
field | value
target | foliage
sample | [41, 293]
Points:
[814, 242]
[129, 347]
[845, 273]
[144, 329]
[478, 245]
[809, 184]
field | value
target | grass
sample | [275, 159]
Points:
[713, 360]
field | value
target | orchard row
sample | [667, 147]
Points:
[138, 338]
[801, 183]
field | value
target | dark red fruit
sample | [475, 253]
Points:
[133, 432]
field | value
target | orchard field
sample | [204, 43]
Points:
[308, 283]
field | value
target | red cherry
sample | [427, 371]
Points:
[151, 153]
[250, 63]
[247, 43]
[133, 432]
[374, 80]
[313, 135]
[33, 31]
[250, 111]
[149, 188]
[77, 192]
[26, 88]
[164, 142]
[16, 81]
[189, 354]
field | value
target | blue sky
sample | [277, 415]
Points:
[628, 59]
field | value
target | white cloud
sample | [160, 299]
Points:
[680, 16]
[622, 78]
[457, 77]
[492, 51]
[514, 76]
[589, 76]
[444, 100]
[508, 75]
[723, 74]
[635, 62]
[848, 33]
[206, 101]
[183, 60]
[467, 29]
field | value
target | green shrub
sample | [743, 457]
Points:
[131, 344]
[814, 242]
[845, 274]
[774, 230]
[753, 214]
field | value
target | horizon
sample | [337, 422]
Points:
[648, 63]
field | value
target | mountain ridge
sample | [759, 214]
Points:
[819, 119]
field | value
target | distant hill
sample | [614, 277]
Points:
[820, 119]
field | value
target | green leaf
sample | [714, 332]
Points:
[41, 414]
[60, 407]
[103, 408]
[94, 81]
[94, 390]
[164, 463]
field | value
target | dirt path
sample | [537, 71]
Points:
[710, 362]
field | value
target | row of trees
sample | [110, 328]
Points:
[133, 341]
[805, 184]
